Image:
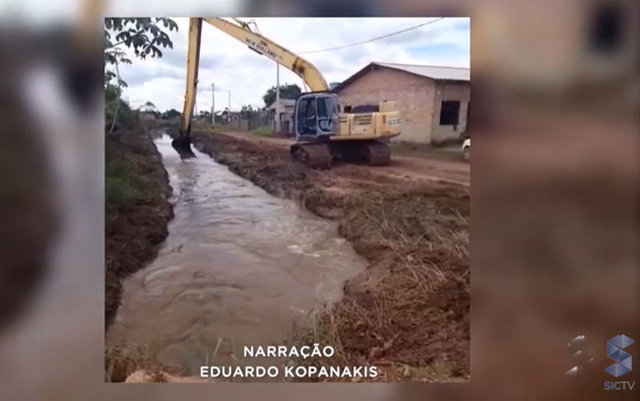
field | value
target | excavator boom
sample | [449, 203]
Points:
[322, 131]
[255, 41]
[264, 46]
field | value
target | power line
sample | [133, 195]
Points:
[259, 68]
[342, 47]
[373, 39]
[241, 80]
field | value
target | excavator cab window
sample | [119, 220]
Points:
[311, 117]
[327, 113]
[316, 115]
[306, 116]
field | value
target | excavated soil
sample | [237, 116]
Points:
[138, 225]
[408, 313]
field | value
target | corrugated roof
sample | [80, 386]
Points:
[428, 71]
[432, 71]
[283, 102]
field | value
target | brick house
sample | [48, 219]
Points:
[433, 101]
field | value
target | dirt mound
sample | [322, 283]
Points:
[408, 313]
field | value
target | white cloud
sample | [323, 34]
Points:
[233, 67]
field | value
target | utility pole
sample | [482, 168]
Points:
[229, 107]
[213, 105]
[277, 97]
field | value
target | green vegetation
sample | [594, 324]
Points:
[171, 114]
[121, 186]
[287, 91]
[262, 131]
[142, 37]
[145, 37]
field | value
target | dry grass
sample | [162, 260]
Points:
[121, 362]
[418, 248]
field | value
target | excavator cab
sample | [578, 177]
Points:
[316, 116]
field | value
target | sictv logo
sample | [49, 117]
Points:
[615, 352]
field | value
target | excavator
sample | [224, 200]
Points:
[323, 133]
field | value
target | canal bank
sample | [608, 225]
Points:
[240, 267]
[137, 209]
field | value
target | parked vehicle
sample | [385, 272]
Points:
[466, 149]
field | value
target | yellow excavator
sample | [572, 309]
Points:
[323, 133]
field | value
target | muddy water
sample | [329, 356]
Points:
[239, 267]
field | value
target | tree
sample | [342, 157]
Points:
[145, 37]
[149, 107]
[286, 92]
[248, 112]
[173, 113]
[204, 115]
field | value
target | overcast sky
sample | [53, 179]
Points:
[247, 75]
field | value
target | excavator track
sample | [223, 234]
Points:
[314, 155]
[376, 153]
[373, 153]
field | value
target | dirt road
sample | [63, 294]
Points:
[402, 167]
[408, 313]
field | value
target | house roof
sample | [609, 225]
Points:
[283, 102]
[428, 71]
[432, 71]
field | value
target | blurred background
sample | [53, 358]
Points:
[555, 89]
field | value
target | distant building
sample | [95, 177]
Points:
[148, 115]
[333, 85]
[287, 107]
[433, 101]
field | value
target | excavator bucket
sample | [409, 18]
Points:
[182, 145]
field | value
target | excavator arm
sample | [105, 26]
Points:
[182, 143]
[255, 41]
[266, 47]
[193, 61]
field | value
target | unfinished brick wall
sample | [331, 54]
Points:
[413, 94]
[456, 91]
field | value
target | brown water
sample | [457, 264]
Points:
[239, 267]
